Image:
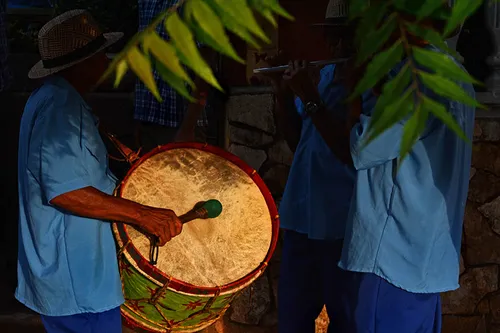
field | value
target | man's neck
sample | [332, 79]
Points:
[80, 87]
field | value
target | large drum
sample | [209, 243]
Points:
[202, 270]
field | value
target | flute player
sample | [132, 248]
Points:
[402, 239]
[316, 201]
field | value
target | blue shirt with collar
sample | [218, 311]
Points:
[406, 225]
[67, 264]
[318, 191]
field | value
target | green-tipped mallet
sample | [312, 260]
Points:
[206, 210]
[203, 210]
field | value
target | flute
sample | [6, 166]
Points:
[283, 68]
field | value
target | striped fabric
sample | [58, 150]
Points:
[5, 77]
[147, 109]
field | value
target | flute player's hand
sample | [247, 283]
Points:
[275, 79]
[301, 81]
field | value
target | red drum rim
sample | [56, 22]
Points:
[144, 265]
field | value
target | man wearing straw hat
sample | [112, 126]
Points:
[316, 201]
[402, 242]
[67, 265]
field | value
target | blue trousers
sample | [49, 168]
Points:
[104, 322]
[356, 302]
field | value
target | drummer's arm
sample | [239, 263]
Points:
[92, 203]
[68, 183]
[70, 173]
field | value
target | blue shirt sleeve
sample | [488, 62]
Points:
[62, 167]
[386, 147]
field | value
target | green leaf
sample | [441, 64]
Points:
[400, 4]
[121, 56]
[209, 28]
[442, 64]
[376, 39]
[370, 18]
[273, 5]
[433, 37]
[412, 130]
[400, 82]
[183, 40]
[233, 25]
[460, 11]
[440, 111]
[429, 7]
[268, 15]
[173, 80]
[166, 54]
[121, 70]
[395, 87]
[389, 115]
[141, 66]
[447, 88]
[356, 7]
[238, 11]
[381, 64]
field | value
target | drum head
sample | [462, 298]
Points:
[212, 252]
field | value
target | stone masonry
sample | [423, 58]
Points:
[475, 307]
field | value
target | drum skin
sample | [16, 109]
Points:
[201, 271]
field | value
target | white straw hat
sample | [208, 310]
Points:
[337, 13]
[69, 39]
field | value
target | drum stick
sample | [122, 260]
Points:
[208, 210]
[283, 68]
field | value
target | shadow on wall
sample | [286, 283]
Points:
[476, 44]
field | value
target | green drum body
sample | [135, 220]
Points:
[202, 270]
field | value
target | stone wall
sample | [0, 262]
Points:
[252, 136]
[475, 307]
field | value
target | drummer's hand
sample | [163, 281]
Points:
[162, 223]
[300, 80]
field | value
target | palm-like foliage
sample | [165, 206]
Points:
[383, 40]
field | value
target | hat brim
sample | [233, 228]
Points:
[38, 71]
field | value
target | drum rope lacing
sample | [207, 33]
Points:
[124, 247]
[206, 308]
